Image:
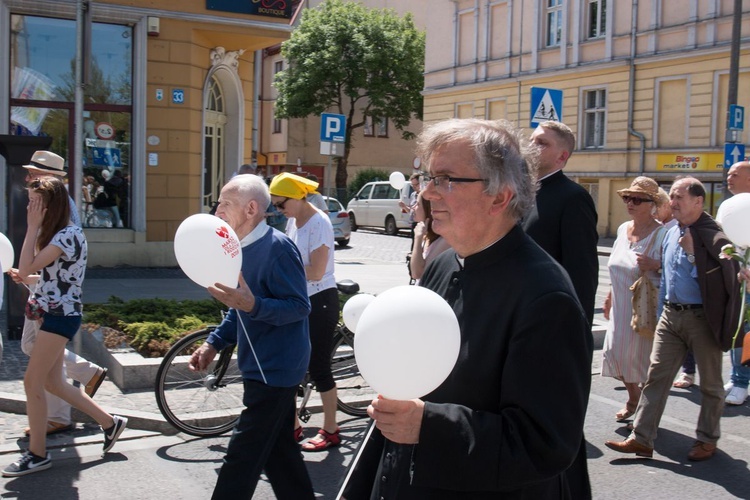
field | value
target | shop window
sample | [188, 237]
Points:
[42, 57]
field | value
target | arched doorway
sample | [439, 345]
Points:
[214, 164]
[223, 124]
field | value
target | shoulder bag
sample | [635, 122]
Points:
[645, 298]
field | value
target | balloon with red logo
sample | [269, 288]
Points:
[208, 251]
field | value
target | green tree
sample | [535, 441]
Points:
[344, 57]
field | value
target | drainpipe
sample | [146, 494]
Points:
[257, 91]
[631, 89]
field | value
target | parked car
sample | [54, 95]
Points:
[376, 205]
[342, 231]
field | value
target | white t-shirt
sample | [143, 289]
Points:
[316, 232]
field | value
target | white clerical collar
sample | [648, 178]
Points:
[461, 260]
[260, 230]
[549, 174]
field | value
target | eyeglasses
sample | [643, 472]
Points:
[636, 201]
[446, 180]
[280, 204]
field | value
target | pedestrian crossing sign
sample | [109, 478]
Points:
[546, 104]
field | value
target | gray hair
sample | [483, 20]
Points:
[502, 155]
[251, 187]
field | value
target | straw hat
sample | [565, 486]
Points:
[643, 186]
[46, 162]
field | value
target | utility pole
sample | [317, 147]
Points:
[732, 134]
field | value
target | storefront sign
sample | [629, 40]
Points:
[690, 162]
[270, 8]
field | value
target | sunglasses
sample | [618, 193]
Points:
[280, 205]
[636, 201]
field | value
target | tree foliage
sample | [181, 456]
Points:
[359, 62]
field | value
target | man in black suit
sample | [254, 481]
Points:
[486, 432]
[563, 222]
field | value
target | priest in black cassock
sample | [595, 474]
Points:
[487, 431]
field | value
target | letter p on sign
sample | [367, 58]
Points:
[332, 127]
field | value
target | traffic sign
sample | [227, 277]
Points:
[546, 104]
[736, 117]
[733, 153]
[332, 127]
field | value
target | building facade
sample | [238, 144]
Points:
[644, 82]
[168, 111]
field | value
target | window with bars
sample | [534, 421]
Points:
[594, 122]
[554, 20]
[597, 18]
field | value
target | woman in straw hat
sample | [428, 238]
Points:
[636, 250]
[312, 232]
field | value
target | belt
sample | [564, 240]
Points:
[683, 307]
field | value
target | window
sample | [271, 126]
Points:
[42, 104]
[382, 129]
[278, 67]
[554, 19]
[276, 126]
[367, 128]
[597, 18]
[594, 120]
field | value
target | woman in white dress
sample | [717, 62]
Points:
[636, 250]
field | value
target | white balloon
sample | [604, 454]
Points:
[397, 180]
[735, 219]
[7, 255]
[407, 342]
[208, 250]
[354, 308]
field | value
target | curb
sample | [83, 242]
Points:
[146, 421]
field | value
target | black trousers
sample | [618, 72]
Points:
[263, 440]
[324, 316]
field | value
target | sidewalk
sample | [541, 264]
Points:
[373, 274]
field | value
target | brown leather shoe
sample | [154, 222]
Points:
[630, 445]
[701, 451]
[95, 382]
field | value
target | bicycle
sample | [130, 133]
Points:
[208, 403]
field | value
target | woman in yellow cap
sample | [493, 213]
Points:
[312, 232]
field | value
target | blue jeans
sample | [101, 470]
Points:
[263, 440]
[740, 374]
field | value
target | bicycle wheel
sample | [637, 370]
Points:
[354, 393]
[206, 403]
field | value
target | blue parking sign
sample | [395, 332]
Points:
[332, 127]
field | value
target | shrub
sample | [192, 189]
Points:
[362, 178]
[151, 326]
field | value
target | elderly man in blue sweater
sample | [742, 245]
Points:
[267, 320]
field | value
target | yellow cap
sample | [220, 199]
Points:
[292, 186]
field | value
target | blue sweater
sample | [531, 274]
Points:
[277, 326]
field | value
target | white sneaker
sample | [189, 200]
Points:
[728, 388]
[737, 396]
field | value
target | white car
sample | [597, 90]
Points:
[377, 205]
[342, 231]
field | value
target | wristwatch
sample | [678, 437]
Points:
[691, 258]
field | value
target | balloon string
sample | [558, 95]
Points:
[239, 316]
